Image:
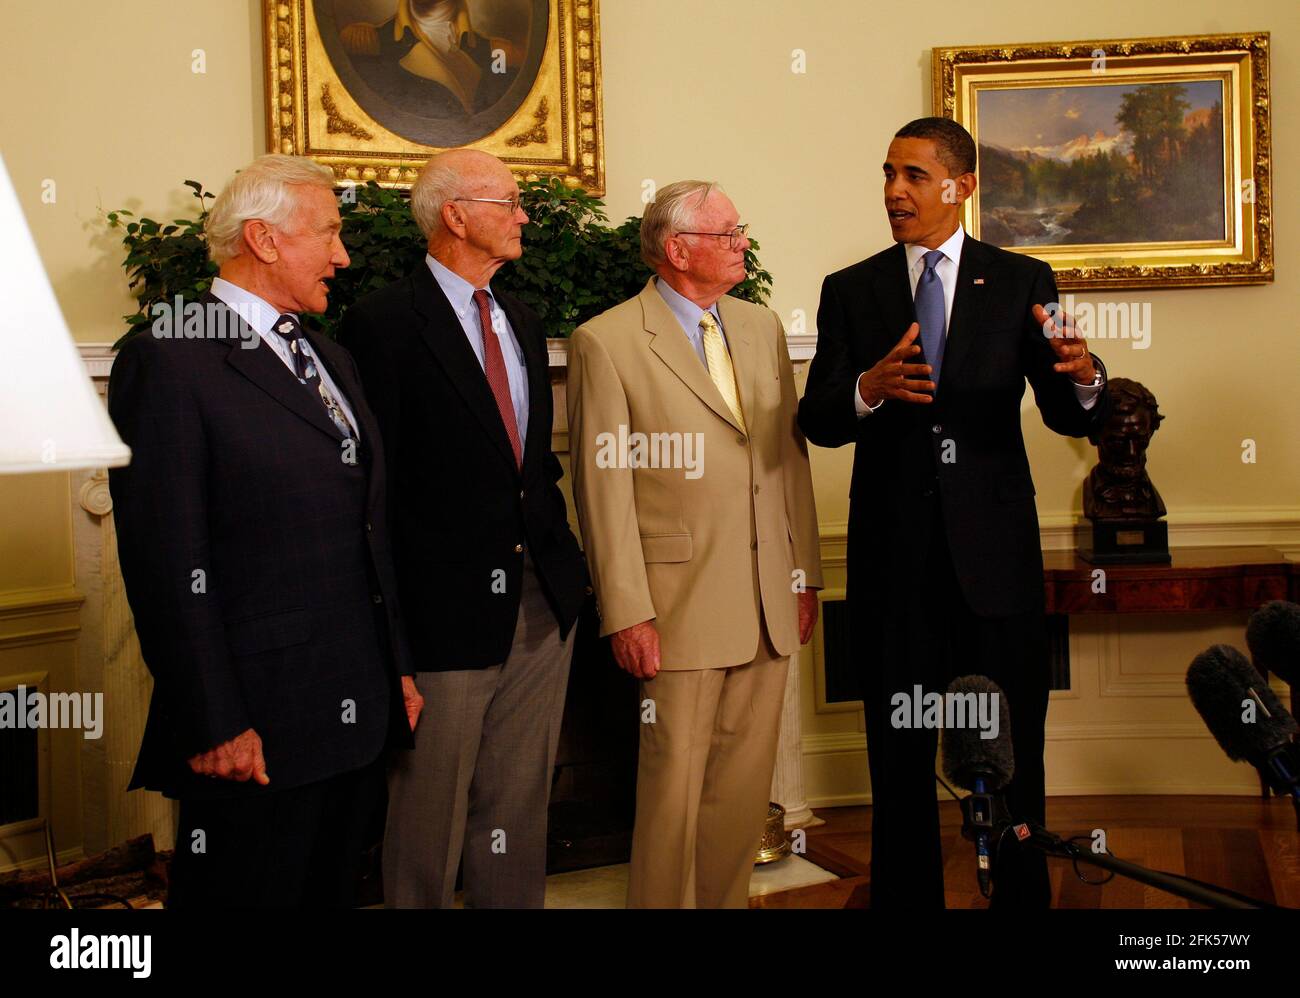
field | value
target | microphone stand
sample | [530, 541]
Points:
[986, 814]
[1053, 845]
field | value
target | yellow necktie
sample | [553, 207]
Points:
[719, 361]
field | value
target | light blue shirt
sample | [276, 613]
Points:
[461, 295]
[261, 316]
[688, 316]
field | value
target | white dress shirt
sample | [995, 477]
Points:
[261, 317]
[946, 271]
[460, 293]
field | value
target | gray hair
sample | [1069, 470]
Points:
[262, 190]
[672, 210]
[436, 184]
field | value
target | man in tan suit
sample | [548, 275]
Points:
[695, 500]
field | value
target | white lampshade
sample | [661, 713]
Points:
[51, 418]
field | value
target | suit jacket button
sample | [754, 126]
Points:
[740, 440]
[937, 428]
[753, 545]
[521, 493]
[755, 490]
[519, 549]
[370, 527]
[589, 590]
[376, 598]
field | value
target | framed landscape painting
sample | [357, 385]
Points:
[372, 88]
[1140, 163]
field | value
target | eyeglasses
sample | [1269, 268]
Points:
[511, 203]
[733, 237]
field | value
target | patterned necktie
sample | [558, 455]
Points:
[494, 366]
[719, 362]
[304, 366]
[930, 314]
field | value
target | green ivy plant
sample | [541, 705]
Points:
[575, 264]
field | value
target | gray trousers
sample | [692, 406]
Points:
[479, 777]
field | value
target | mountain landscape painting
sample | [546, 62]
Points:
[1102, 164]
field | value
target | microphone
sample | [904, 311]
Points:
[1245, 716]
[1273, 635]
[984, 766]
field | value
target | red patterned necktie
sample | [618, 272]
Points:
[494, 366]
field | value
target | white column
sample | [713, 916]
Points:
[787, 778]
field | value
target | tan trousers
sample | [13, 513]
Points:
[704, 776]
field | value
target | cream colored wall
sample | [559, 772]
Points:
[113, 114]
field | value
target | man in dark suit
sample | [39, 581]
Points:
[252, 536]
[491, 574]
[945, 573]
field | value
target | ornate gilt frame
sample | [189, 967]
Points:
[1241, 60]
[557, 130]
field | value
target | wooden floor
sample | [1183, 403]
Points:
[1245, 844]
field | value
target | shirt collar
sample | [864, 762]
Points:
[458, 290]
[686, 311]
[951, 248]
[257, 312]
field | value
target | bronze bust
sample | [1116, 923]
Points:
[1118, 487]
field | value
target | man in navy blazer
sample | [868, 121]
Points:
[488, 568]
[252, 534]
[923, 351]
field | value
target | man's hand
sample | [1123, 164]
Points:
[807, 614]
[412, 700]
[238, 759]
[1070, 348]
[894, 378]
[636, 649]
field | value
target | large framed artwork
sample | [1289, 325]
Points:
[1124, 164]
[372, 88]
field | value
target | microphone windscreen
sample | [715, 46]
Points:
[1273, 635]
[1222, 684]
[967, 753]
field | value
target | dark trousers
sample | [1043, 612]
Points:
[927, 634]
[296, 848]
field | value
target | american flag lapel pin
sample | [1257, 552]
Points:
[979, 280]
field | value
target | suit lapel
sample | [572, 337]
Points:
[445, 337]
[744, 359]
[893, 292]
[968, 305]
[368, 442]
[670, 345]
[262, 366]
[536, 368]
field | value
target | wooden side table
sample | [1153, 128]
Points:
[1198, 580]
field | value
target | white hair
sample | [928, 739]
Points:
[436, 184]
[262, 190]
[672, 211]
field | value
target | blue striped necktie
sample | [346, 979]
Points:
[930, 314]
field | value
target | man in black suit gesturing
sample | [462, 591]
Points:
[491, 575]
[945, 574]
[252, 536]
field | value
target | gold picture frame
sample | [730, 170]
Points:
[373, 96]
[1154, 176]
